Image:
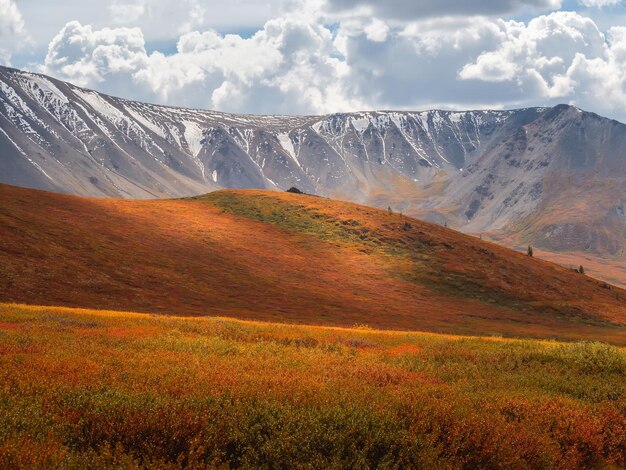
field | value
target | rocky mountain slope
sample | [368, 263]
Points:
[553, 177]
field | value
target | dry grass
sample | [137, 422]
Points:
[100, 389]
[285, 257]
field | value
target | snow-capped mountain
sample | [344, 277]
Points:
[553, 175]
[61, 137]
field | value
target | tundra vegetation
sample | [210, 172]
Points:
[292, 258]
[101, 389]
[324, 373]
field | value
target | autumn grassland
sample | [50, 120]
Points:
[279, 330]
[98, 389]
[287, 257]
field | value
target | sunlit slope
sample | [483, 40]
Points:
[292, 258]
[93, 389]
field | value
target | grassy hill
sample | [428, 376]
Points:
[98, 389]
[289, 258]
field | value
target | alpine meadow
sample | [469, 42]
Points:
[313, 234]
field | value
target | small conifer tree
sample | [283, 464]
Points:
[530, 251]
[581, 270]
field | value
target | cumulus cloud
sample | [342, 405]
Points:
[417, 65]
[482, 62]
[12, 30]
[87, 57]
[287, 66]
[298, 64]
[561, 56]
[196, 14]
[419, 9]
[185, 16]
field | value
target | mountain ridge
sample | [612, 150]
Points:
[88, 107]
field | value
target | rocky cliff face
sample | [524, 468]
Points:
[553, 176]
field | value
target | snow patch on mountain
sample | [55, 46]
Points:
[287, 145]
[147, 123]
[43, 90]
[193, 136]
[360, 124]
[25, 155]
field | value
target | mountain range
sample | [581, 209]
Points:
[554, 177]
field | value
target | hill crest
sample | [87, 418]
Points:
[288, 257]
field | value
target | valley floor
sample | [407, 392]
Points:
[98, 389]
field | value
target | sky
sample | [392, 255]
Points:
[327, 56]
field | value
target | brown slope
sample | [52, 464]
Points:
[607, 268]
[287, 257]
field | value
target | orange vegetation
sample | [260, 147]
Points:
[285, 257]
[97, 389]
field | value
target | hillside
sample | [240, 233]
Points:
[98, 389]
[290, 258]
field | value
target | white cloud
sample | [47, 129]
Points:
[546, 56]
[482, 62]
[195, 18]
[417, 66]
[87, 57]
[376, 30]
[183, 17]
[127, 11]
[288, 66]
[296, 64]
[600, 3]
[420, 9]
[161, 21]
[12, 30]
[599, 83]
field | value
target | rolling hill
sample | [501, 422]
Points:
[294, 258]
